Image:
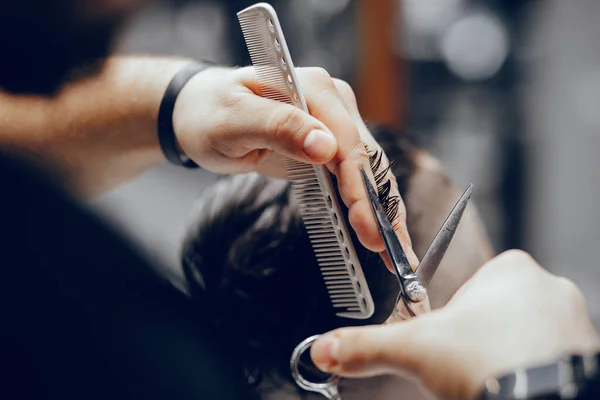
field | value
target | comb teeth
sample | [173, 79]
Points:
[265, 59]
[339, 273]
[312, 186]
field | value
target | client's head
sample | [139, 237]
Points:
[248, 256]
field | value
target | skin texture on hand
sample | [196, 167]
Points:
[100, 132]
[430, 195]
[226, 127]
[511, 314]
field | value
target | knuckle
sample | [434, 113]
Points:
[241, 74]
[321, 76]
[344, 89]
[517, 258]
[285, 123]
[567, 285]
[571, 292]
[358, 155]
[243, 70]
[358, 357]
[512, 261]
[361, 153]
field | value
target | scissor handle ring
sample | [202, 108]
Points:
[322, 387]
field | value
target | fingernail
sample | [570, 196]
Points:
[319, 145]
[325, 353]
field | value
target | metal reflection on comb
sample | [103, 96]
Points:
[312, 185]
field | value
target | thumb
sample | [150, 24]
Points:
[283, 128]
[369, 351]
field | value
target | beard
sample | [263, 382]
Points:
[46, 43]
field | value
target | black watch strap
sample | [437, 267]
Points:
[571, 377]
[166, 131]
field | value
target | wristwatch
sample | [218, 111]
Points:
[571, 377]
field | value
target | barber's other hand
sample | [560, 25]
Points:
[511, 314]
[224, 125]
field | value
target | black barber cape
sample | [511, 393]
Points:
[82, 316]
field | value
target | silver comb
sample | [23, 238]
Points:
[312, 185]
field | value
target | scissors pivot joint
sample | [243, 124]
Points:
[416, 292]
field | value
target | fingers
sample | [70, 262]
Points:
[399, 222]
[325, 103]
[251, 123]
[227, 128]
[368, 351]
[326, 106]
[511, 313]
[291, 132]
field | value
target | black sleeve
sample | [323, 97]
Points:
[84, 317]
[591, 387]
[570, 377]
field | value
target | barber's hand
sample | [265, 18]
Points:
[224, 125]
[511, 314]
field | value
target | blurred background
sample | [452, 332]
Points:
[506, 93]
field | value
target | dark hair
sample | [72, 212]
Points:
[247, 255]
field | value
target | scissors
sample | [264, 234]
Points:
[413, 285]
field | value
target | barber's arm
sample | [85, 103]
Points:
[512, 314]
[102, 131]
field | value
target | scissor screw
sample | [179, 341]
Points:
[416, 292]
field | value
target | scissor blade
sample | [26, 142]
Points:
[433, 257]
[391, 241]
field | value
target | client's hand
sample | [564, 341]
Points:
[226, 127]
[512, 313]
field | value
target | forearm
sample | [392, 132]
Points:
[99, 132]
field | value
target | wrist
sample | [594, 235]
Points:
[146, 80]
[144, 83]
[191, 112]
[167, 138]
